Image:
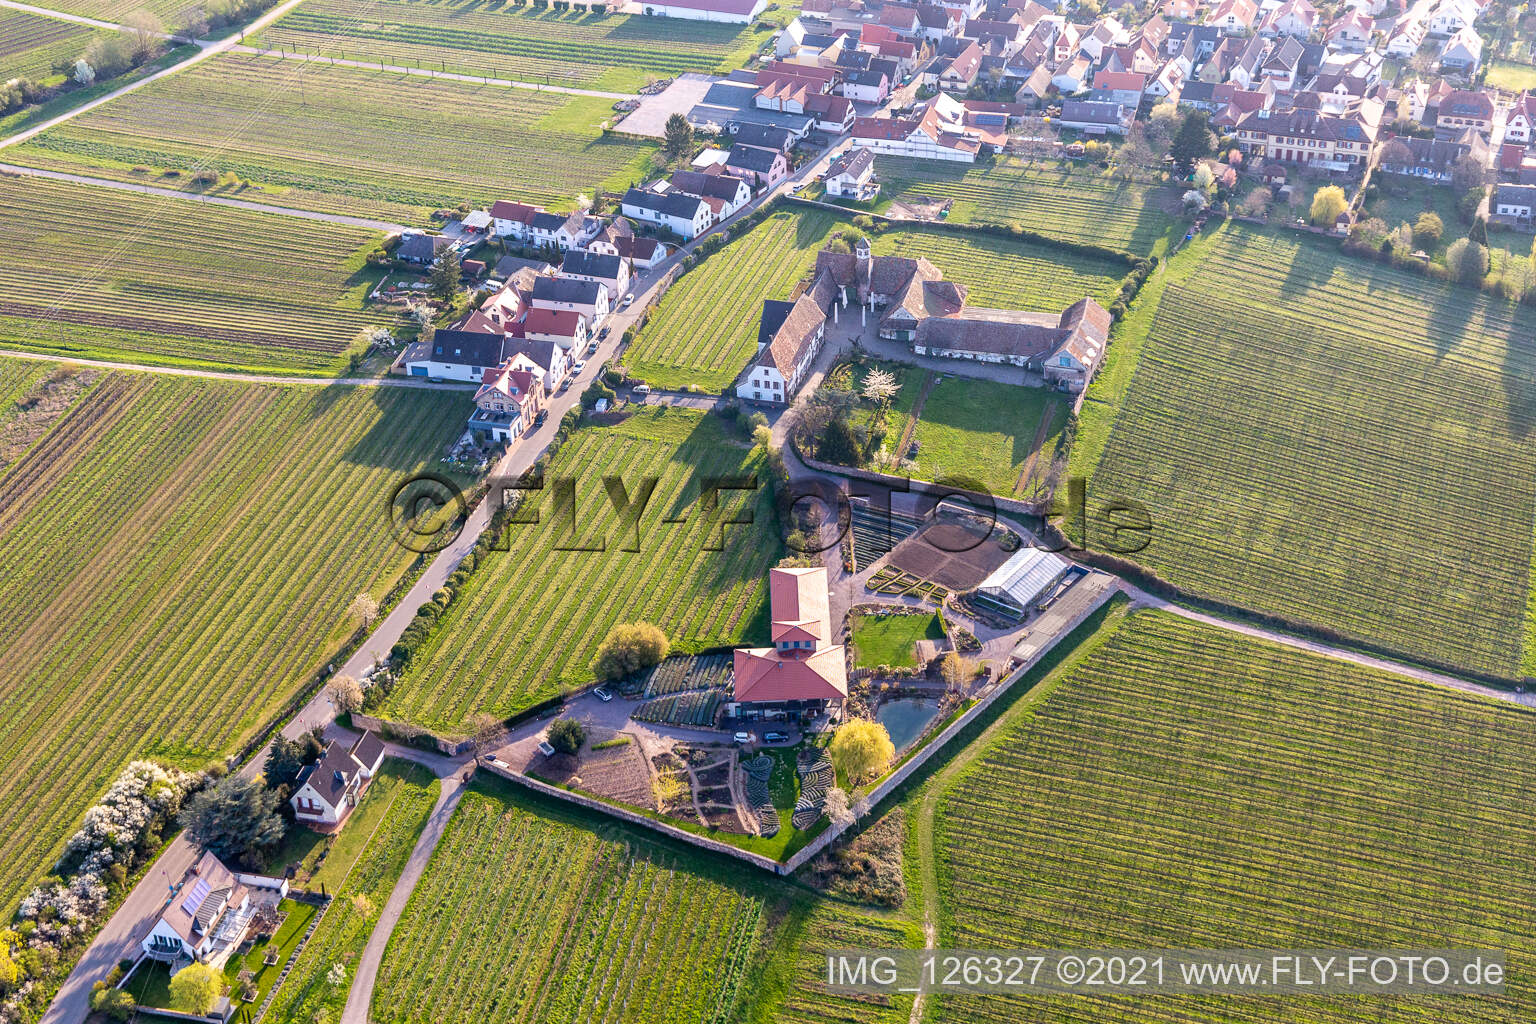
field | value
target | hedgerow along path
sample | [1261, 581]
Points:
[1304, 802]
[162, 526]
[346, 140]
[188, 286]
[1338, 443]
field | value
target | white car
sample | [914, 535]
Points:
[602, 695]
[581, 364]
[743, 737]
[628, 301]
[642, 389]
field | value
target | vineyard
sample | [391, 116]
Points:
[30, 44]
[508, 641]
[345, 140]
[1059, 199]
[674, 675]
[611, 52]
[695, 710]
[161, 527]
[988, 432]
[529, 916]
[365, 886]
[801, 968]
[171, 12]
[195, 285]
[1303, 802]
[705, 329]
[1339, 443]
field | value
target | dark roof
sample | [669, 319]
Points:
[775, 311]
[765, 136]
[467, 349]
[1515, 195]
[368, 749]
[1092, 112]
[673, 205]
[333, 773]
[753, 158]
[509, 265]
[545, 353]
[697, 183]
[852, 162]
[565, 289]
[421, 248]
[591, 264]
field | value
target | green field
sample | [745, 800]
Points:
[181, 555]
[1339, 443]
[891, 639]
[171, 12]
[987, 431]
[1062, 199]
[529, 621]
[1510, 76]
[501, 40]
[30, 45]
[705, 329]
[167, 281]
[531, 912]
[345, 140]
[1299, 802]
[402, 797]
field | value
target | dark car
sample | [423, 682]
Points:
[775, 737]
[543, 415]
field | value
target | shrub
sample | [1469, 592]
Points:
[1428, 230]
[567, 735]
[196, 988]
[628, 648]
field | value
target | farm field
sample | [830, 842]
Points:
[1057, 198]
[988, 431]
[30, 44]
[171, 12]
[501, 40]
[190, 549]
[1304, 802]
[705, 329]
[891, 639]
[1338, 443]
[346, 140]
[361, 884]
[505, 644]
[173, 282]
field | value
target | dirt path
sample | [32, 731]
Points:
[1041, 433]
[912, 417]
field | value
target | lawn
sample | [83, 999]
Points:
[1302, 802]
[532, 911]
[495, 40]
[1061, 199]
[1339, 443]
[30, 44]
[167, 281]
[705, 329]
[189, 550]
[528, 623]
[295, 923]
[310, 993]
[892, 639]
[1511, 77]
[344, 140]
[988, 432]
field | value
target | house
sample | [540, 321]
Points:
[763, 136]
[1513, 204]
[1520, 124]
[1294, 18]
[547, 361]
[1352, 32]
[599, 268]
[960, 73]
[507, 404]
[1096, 118]
[558, 230]
[591, 299]
[1283, 64]
[454, 355]
[803, 674]
[1462, 109]
[1234, 17]
[421, 248]
[1463, 52]
[1073, 76]
[513, 220]
[1451, 16]
[871, 85]
[683, 215]
[206, 919]
[852, 175]
[1066, 349]
[1122, 87]
[733, 192]
[325, 792]
[1431, 159]
[1179, 10]
[1337, 142]
[565, 327]
[941, 132]
[789, 336]
[1407, 36]
[740, 12]
[761, 167]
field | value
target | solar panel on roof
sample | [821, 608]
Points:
[195, 897]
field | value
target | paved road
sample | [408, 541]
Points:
[360, 996]
[200, 197]
[209, 49]
[248, 378]
[400, 69]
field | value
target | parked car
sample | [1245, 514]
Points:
[602, 695]
[546, 749]
[743, 737]
[775, 737]
[600, 336]
[592, 349]
[581, 364]
[628, 301]
[642, 389]
[565, 386]
[543, 415]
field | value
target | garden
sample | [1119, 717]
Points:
[1303, 802]
[1306, 430]
[160, 523]
[316, 138]
[891, 639]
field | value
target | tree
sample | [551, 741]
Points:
[628, 648]
[835, 803]
[84, 73]
[1327, 203]
[838, 443]
[1136, 154]
[1205, 179]
[196, 989]
[113, 1003]
[1192, 141]
[1467, 172]
[1256, 203]
[880, 386]
[286, 758]
[1467, 261]
[860, 749]
[952, 670]
[1428, 230]
[144, 32]
[346, 694]
[567, 735]
[762, 437]
[446, 274]
[10, 972]
[679, 136]
[236, 818]
[364, 608]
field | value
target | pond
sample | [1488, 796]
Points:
[906, 719]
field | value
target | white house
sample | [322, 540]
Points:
[684, 215]
[610, 271]
[326, 792]
[738, 11]
[454, 355]
[852, 176]
[1520, 126]
[207, 917]
[1452, 16]
[513, 220]
[1514, 202]
[587, 298]
[566, 328]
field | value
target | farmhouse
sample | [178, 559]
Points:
[789, 336]
[803, 674]
[421, 248]
[738, 11]
[326, 792]
[205, 920]
[1018, 584]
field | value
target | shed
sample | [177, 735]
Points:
[1018, 583]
